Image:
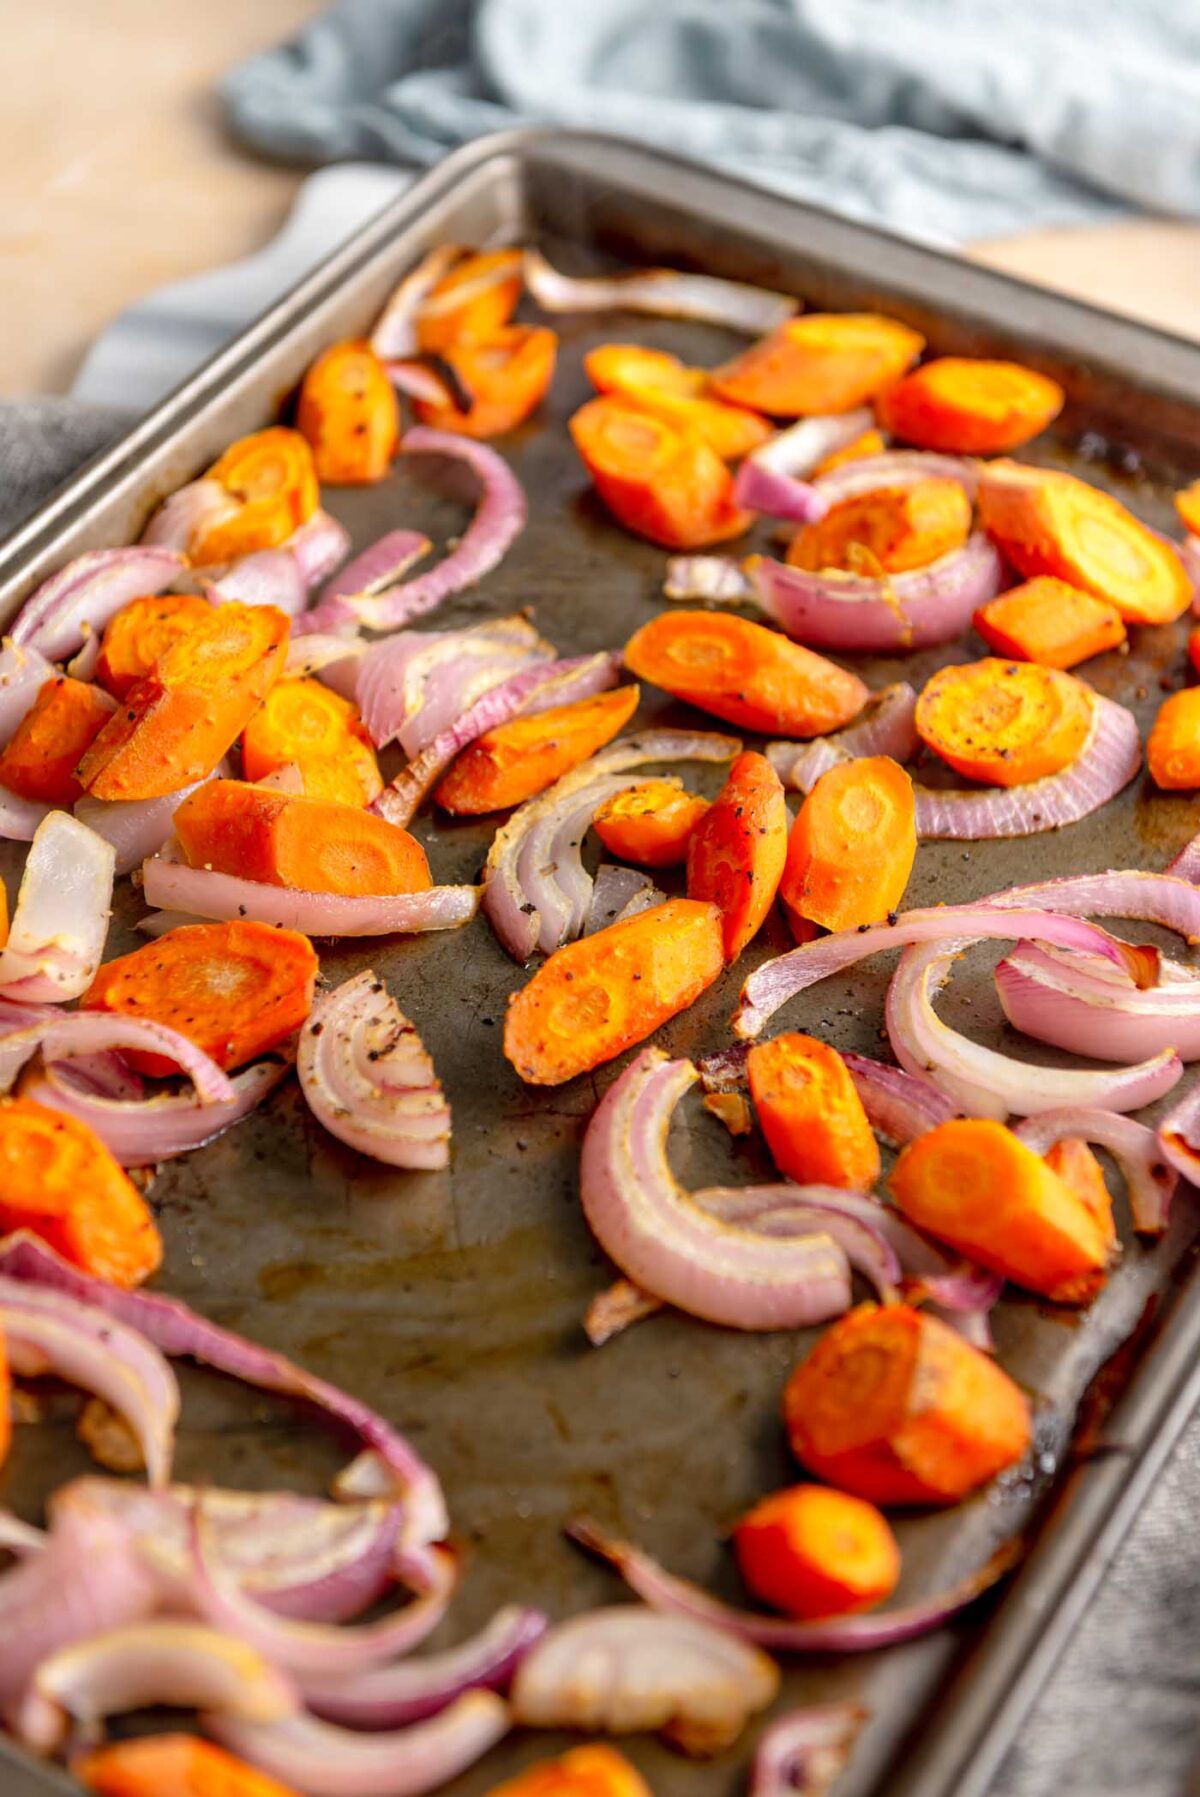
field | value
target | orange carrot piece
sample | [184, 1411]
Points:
[1052, 523]
[596, 997]
[1173, 746]
[1187, 504]
[176, 724]
[1047, 621]
[621, 367]
[172, 1766]
[475, 300]
[507, 375]
[897, 528]
[141, 632]
[811, 1552]
[1005, 722]
[519, 759]
[811, 1113]
[974, 1184]
[868, 444]
[59, 1180]
[745, 673]
[349, 413]
[651, 823]
[736, 851]
[662, 385]
[5, 1403]
[1074, 1162]
[658, 480]
[592, 1771]
[41, 756]
[821, 362]
[235, 989]
[852, 846]
[894, 1406]
[963, 406]
[304, 724]
[272, 475]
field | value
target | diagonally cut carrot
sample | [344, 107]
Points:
[475, 300]
[40, 759]
[1173, 746]
[658, 480]
[660, 384]
[1047, 621]
[306, 725]
[349, 414]
[272, 475]
[1005, 722]
[852, 846]
[519, 759]
[172, 1766]
[963, 406]
[812, 1552]
[736, 851]
[822, 362]
[811, 1113]
[506, 375]
[141, 632]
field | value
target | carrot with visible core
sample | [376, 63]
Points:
[894, 1406]
[475, 300]
[745, 673]
[1047, 522]
[172, 1766]
[852, 846]
[596, 997]
[304, 724]
[592, 1771]
[736, 851]
[888, 531]
[41, 756]
[1074, 1162]
[191, 708]
[822, 362]
[234, 989]
[349, 413]
[811, 1113]
[870, 443]
[962, 406]
[1187, 504]
[811, 1552]
[974, 1184]
[658, 480]
[59, 1180]
[519, 759]
[507, 375]
[141, 632]
[1173, 746]
[272, 476]
[660, 384]
[651, 823]
[1047, 621]
[1005, 722]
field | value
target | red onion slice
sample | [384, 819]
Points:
[187, 514]
[333, 657]
[395, 330]
[626, 1669]
[661, 292]
[136, 828]
[897, 468]
[1136, 1150]
[169, 886]
[886, 725]
[268, 577]
[56, 940]
[367, 1078]
[802, 447]
[713, 577]
[23, 673]
[1062, 1002]
[805, 1751]
[417, 683]
[783, 1211]
[884, 615]
[619, 892]
[140, 1132]
[20, 818]
[385, 562]
[760, 488]
[1145, 897]
[1179, 1136]
[84, 595]
[417, 380]
[69, 1035]
[317, 547]
[900, 1106]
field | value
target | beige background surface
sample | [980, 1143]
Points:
[116, 176]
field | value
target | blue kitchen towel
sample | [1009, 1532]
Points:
[945, 119]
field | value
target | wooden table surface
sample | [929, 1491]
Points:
[116, 176]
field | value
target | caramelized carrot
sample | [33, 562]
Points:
[868, 444]
[596, 997]
[5, 1403]
[893, 1405]
[272, 475]
[1047, 621]
[852, 846]
[811, 1113]
[659, 481]
[176, 724]
[1187, 504]
[349, 413]
[235, 989]
[172, 1766]
[963, 406]
[822, 362]
[660, 384]
[1173, 747]
[40, 758]
[651, 823]
[142, 631]
[974, 1184]
[812, 1552]
[1052, 523]
[592, 1771]
[745, 673]
[304, 843]
[1005, 722]
[59, 1180]
[622, 367]
[1077, 1166]
[304, 724]
[887, 531]
[515, 761]
[507, 376]
[475, 300]
[736, 852]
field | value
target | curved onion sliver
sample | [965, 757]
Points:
[56, 940]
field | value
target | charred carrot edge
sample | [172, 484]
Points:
[811, 1113]
[1173, 746]
[304, 724]
[852, 846]
[141, 632]
[658, 480]
[1047, 621]
[736, 851]
[172, 1766]
[349, 414]
[1005, 722]
[506, 376]
[517, 760]
[962, 406]
[273, 477]
[889, 531]
[650, 824]
[476, 299]
[822, 362]
[812, 1552]
[40, 758]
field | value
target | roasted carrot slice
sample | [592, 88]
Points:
[141, 632]
[659, 383]
[974, 1184]
[59, 1180]
[1005, 722]
[507, 376]
[1187, 504]
[515, 761]
[40, 758]
[5, 1403]
[272, 474]
[811, 1113]
[349, 413]
[1173, 747]
[1077, 1166]
[176, 724]
[172, 1766]
[812, 1552]
[1047, 621]
[869, 443]
[745, 673]
[822, 362]
[596, 997]
[658, 480]
[235, 989]
[898, 528]
[592, 1771]
[894, 1406]
[305, 724]
[622, 367]
[736, 852]
[304, 843]
[475, 300]
[650, 824]
[963, 406]
[1052, 523]
[852, 846]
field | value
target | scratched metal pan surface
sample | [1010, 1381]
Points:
[453, 1301]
